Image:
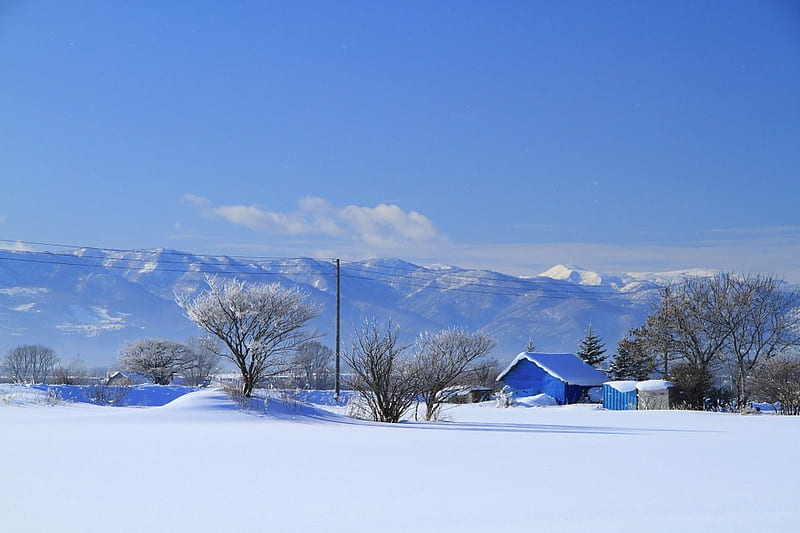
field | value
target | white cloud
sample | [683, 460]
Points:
[386, 230]
[100, 320]
[384, 225]
[15, 246]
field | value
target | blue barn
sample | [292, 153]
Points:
[564, 376]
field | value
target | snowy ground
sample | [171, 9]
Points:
[200, 464]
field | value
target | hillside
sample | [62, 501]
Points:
[90, 301]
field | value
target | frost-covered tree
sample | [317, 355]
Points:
[158, 359]
[386, 382]
[261, 325]
[30, 363]
[442, 359]
[592, 349]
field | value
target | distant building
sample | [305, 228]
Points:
[656, 394]
[620, 395]
[126, 379]
[643, 395]
[564, 376]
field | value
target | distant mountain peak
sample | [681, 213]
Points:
[573, 274]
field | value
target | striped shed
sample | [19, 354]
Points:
[620, 395]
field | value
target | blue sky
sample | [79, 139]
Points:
[510, 135]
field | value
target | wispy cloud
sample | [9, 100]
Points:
[320, 229]
[384, 225]
[15, 246]
[3, 218]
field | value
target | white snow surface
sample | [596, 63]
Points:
[651, 385]
[622, 386]
[538, 400]
[564, 366]
[200, 464]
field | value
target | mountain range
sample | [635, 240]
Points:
[89, 302]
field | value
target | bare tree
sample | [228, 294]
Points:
[31, 363]
[202, 360]
[778, 381]
[763, 320]
[73, 374]
[442, 359]
[158, 359]
[260, 324]
[484, 373]
[686, 325]
[313, 360]
[702, 323]
[385, 381]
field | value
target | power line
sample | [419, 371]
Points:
[146, 261]
[162, 251]
[509, 283]
[503, 292]
[462, 274]
[123, 267]
[421, 278]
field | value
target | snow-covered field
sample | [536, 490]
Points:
[200, 464]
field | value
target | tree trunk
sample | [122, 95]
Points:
[247, 386]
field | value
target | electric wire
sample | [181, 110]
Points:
[421, 278]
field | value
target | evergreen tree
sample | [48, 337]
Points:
[592, 349]
[631, 360]
[531, 347]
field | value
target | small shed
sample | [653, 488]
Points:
[655, 394]
[126, 379]
[620, 395]
[564, 376]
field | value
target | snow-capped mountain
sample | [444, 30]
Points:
[89, 301]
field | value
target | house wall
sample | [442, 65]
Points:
[655, 400]
[528, 379]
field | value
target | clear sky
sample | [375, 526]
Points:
[630, 135]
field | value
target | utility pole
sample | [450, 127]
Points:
[338, 307]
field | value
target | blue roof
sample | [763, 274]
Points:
[567, 367]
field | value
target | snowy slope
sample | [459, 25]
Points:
[198, 464]
[89, 302]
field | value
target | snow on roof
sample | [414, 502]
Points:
[653, 385]
[622, 386]
[567, 367]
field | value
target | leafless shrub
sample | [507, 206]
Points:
[444, 358]
[386, 383]
[202, 361]
[102, 394]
